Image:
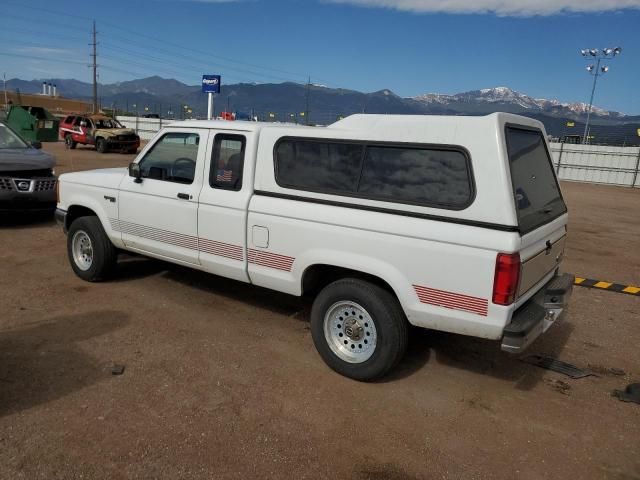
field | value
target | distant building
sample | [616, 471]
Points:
[58, 106]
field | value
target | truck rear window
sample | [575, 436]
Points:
[535, 187]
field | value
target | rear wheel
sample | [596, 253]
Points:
[91, 253]
[68, 142]
[358, 328]
[101, 145]
[132, 150]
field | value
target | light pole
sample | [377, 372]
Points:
[596, 70]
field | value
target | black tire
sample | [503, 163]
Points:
[133, 150]
[104, 254]
[388, 318]
[101, 145]
[68, 142]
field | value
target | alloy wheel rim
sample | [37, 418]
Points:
[350, 331]
[82, 250]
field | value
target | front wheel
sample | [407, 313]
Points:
[101, 145]
[68, 142]
[91, 253]
[358, 328]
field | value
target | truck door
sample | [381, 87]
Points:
[224, 200]
[159, 215]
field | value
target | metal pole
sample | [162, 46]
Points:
[593, 90]
[635, 174]
[6, 102]
[95, 71]
[209, 105]
[560, 158]
[306, 108]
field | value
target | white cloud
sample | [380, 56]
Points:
[498, 7]
[45, 51]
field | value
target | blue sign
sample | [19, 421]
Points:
[210, 83]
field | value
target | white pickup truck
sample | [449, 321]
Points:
[443, 222]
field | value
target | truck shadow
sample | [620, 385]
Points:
[484, 357]
[260, 297]
[42, 362]
[476, 355]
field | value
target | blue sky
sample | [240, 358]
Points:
[408, 46]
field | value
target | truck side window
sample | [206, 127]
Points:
[172, 158]
[318, 165]
[422, 176]
[227, 162]
[416, 175]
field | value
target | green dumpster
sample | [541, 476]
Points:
[34, 124]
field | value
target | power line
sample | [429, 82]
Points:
[176, 46]
[35, 57]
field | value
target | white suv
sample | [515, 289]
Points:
[449, 223]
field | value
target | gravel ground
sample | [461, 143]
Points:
[222, 380]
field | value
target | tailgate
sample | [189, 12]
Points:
[543, 261]
[540, 208]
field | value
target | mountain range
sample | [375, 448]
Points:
[286, 101]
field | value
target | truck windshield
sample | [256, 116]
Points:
[8, 139]
[535, 187]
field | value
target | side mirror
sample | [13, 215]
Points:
[83, 124]
[36, 144]
[135, 172]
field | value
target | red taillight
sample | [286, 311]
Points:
[505, 283]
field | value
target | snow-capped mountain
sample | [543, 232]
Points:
[489, 98]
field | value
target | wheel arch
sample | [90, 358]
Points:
[77, 211]
[317, 276]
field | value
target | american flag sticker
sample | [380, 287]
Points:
[224, 175]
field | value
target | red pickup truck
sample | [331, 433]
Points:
[104, 132]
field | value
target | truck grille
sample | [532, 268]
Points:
[126, 138]
[38, 184]
[44, 185]
[6, 184]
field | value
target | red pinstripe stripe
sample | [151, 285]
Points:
[456, 306]
[191, 242]
[478, 303]
[444, 292]
[452, 300]
[271, 260]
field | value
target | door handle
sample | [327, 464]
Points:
[184, 196]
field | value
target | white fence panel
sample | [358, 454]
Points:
[597, 163]
[146, 128]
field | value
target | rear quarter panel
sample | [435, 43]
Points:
[441, 272]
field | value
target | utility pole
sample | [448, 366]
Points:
[94, 56]
[306, 108]
[4, 76]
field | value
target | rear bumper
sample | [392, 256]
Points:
[534, 317]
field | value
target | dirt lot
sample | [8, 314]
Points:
[222, 380]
